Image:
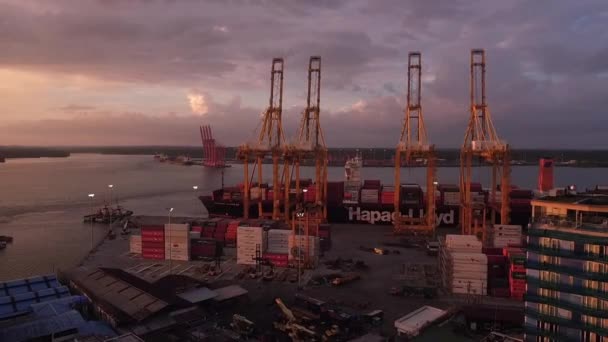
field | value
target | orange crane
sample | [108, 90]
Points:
[413, 144]
[310, 143]
[270, 141]
[481, 140]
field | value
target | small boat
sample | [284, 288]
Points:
[6, 238]
[2, 244]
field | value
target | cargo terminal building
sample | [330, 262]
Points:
[567, 269]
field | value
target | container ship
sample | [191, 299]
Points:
[365, 201]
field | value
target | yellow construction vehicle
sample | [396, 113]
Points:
[297, 332]
[242, 325]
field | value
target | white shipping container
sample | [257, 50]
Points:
[195, 235]
[135, 244]
[177, 226]
[248, 239]
[469, 258]
[278, 241]
[506, 228]
[451, 198]
[504, 242]
[175, 239]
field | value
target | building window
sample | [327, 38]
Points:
[590, 302]
[549, 259]
[548, 293]
[596, 267]
[548, 276]
[589, 320]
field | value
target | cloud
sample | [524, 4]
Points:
[220, 28]
[198, 103]
[542, 66]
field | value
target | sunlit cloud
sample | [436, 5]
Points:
[198, 103]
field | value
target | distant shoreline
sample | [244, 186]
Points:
[378, 157]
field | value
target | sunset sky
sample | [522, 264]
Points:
[149, 72]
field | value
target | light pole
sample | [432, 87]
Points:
[300, 215]
[170, 210]
[195, 187]
[111, 186]
[304, 191]
[434, 206]
[92, 196]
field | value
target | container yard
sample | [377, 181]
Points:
[346, 282]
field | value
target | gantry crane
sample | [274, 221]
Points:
[270, 141]
[481, 140]
[310, 143]
[414, 145]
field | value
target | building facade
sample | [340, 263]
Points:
[567, 269]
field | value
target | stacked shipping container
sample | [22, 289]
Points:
[204, 249]
[153, 242]
[351, 192]
[502, 235]
[249, 240]
[135, 244]
[498, 272]
[177, 242]
[325, 237]
[370, 192]
[517, 271]
[300, 248]
[388, 194]
[463, 266]
[231, 233]
[278, 241]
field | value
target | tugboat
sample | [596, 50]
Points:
[188, 161]
[6, 238]
[103, 215]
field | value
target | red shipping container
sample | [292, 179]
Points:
[153, 244]
[517, 268]
[197, 229]
[387, 197]
[152, 233]
[281, 263]
[160, 239]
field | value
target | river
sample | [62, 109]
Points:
[42, 201]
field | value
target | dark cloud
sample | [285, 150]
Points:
[546, 63]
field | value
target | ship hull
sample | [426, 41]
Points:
[376, 214]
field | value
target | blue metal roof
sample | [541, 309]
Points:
[42, 327]
[33, 284]
[12, 306]
[57, 306]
